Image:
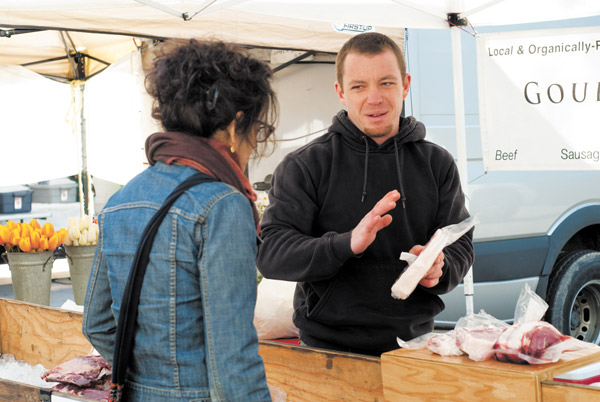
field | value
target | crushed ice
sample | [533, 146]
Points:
[23, 372]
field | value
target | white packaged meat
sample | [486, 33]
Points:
[444, 344]
[478, 343]
[417, 269]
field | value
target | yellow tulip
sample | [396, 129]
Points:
[14, 238]
[35, 239]
[11, 225]
[15, 228]
[35, 224]
[25, 244]
[48, 230]
[53, 242]
[63, 233]
[25, 229]
[43, 243]
[4, 234]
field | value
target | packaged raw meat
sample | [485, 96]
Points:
[483, 337]
[99, 391]
[81, 371]
[416, 270]
[478, 343]
[534, 342]
[444, 344]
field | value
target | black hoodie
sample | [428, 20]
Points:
[320, 192]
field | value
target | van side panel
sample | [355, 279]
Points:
[505, 260]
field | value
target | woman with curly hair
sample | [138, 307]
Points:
[194, 339]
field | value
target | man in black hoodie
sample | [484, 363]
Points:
[333, 224]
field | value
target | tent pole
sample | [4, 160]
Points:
[461, 147]
[85, 176]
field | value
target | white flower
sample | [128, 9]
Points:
[82, 232]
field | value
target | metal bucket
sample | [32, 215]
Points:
[31, 275]
[80, 266]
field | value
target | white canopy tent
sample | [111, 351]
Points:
[318, 25]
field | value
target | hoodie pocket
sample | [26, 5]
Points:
[358, 295]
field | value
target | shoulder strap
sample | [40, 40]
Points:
[131, 295]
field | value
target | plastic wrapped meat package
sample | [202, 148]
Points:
[419, 265]
[87, 376]
[483, 337]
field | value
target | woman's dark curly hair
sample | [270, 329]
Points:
[200, 86]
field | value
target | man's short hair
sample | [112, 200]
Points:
[370, 43]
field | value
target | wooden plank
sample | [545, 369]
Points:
[39, 334]
[11, 391]
[555, 391]
[310, 374]
[420, 375]
[410, 378]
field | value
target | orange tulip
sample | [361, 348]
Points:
[48, 230]
[35, 240]
[25, 229]
[43, 243]
[53, 242]
[14, 238]
[63, 233]
[15, 228]
[4, 234]
[35, 224]
[25, 244]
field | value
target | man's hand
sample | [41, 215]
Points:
[432, 277]
[365, 232]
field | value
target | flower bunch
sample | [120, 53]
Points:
[262, 203]
[82, 231]
[30, 237]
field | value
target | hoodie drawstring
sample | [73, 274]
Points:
[402, 197]
[364, 192]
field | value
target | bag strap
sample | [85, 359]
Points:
[131, 295]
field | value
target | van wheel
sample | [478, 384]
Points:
[574, 296]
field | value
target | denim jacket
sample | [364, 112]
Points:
[195, 339]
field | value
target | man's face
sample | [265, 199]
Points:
[373, 92]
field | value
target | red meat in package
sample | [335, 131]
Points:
[87, 376]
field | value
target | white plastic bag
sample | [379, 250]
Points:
[530, 306]
[274, 310]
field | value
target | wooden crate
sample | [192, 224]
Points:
[41, 335]
[420, 375]
[38, 335]
[554, 391]
[307, 374]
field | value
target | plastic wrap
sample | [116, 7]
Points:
[274, 310]
[419, 265]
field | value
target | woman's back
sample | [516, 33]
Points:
[193, 334]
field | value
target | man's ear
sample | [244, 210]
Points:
[340, 93]
[406, 85]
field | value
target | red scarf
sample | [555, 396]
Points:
[208, 155]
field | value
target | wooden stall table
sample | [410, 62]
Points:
[420, 375]
[50, 336]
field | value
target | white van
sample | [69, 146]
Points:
[539, 228]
